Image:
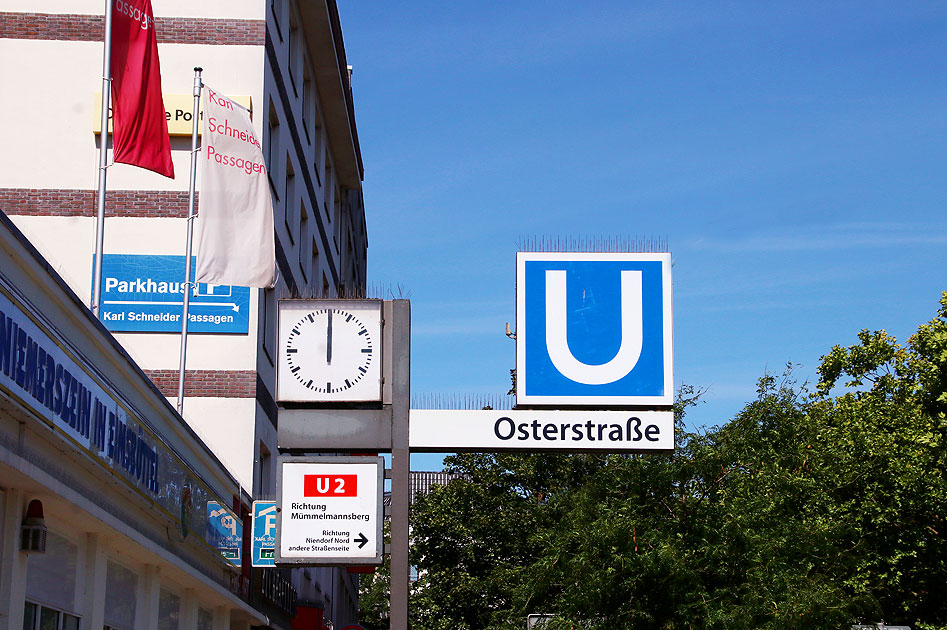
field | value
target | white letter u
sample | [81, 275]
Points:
[557, 342]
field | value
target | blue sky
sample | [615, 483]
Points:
[791, 154]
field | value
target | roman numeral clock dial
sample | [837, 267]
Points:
[329, 350]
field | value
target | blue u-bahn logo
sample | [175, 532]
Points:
[593, 329]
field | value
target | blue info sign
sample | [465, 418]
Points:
[593, 329]
[225, 532]
[144, 293]
[263, 540]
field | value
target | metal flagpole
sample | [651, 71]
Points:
[103, 163]
[190, 236]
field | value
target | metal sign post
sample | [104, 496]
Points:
[327, 370]
[399, 319]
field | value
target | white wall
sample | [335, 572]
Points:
[241, 9]
[50, 117]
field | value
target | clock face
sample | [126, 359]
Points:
[329, 351]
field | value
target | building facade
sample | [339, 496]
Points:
[285, 59]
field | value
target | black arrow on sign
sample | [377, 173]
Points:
[361, 540]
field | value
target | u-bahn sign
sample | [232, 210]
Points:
[330, 510]
[593, 329]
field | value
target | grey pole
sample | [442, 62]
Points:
[103, 163]
[190, 236]
[400, 461]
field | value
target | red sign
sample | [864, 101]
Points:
[330, 485]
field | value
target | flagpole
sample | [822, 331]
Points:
[103, 163]
[190, 236]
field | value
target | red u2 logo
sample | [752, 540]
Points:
[330, 485]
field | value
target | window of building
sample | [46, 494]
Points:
[121, 586]
[289, 205]
[316, 265]
[294, 56]
[265, 480]
[276, 8]
[309, 100]
[272, 148]
[305, 260]
[51, 576]
[40, 617]
[328, 187]
[205, 619]
[169, 610]
[268, 324]
[337, 218]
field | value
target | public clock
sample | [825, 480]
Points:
[329, 351]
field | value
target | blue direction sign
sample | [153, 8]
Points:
[593, 329]
[225, 532]
[263, 538]
[144, 293]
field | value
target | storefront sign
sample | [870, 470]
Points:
[145, 293]
[40, 369]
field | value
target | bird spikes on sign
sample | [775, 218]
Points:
[461, 401]
[372, 291]
[594, 245]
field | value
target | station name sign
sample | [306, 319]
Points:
[541, 430]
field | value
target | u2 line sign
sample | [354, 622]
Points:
[330, 510]
[541, 430]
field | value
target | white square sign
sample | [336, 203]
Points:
[330, 510]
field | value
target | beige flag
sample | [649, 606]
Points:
[235, 243]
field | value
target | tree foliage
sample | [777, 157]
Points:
[808, 509]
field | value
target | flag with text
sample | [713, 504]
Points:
[235, 244]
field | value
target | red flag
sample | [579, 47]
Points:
[139, 126]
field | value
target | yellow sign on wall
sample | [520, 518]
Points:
[178, 109]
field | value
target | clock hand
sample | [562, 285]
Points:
[329, 339]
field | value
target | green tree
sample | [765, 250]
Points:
[805, 510]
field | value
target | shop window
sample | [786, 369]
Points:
[205, 619]
[40, 617]
[51, 577]
[169, 610]
[121, 585]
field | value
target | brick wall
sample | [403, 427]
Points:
[207, 383]
[169, 30]
[65, 202]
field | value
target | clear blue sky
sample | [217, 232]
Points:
[792, 154]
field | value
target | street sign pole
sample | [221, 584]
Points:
[398, 319]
